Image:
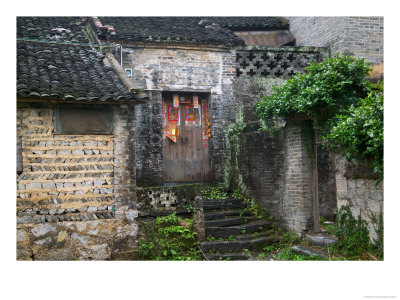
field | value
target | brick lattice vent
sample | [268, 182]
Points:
[268, 63]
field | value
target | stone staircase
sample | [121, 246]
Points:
[232, 232]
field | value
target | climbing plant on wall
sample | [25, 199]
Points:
[359, 133]
[338, 97]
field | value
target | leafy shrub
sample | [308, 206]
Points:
[171, 238]
[377, 245]
[352, 233]
[214, 192]
[345, 107]
[323, 91]
[359, 132]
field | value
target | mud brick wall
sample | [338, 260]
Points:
[76, 194]
[71, 177]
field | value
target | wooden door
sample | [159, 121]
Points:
[187, 160]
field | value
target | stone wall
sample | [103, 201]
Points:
[354, 36]
[356, 186]
[73, 178]
[90, 240]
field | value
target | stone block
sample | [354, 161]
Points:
[95, 252]
[62, 235]
[92, 209]
[98, 182]
[80, 226]
[321, 240]
[88, 151]
[49, 185]
[83, 209]
[46, 241]
[33, 185]
[42, 229]
[21, 186]
[131, 215]
[63, 151]
[78, 152]
[21, 236]
[53, 211]
[80, 238]
[61, 254]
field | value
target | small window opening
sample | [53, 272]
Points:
[83, 120]
[128, 72]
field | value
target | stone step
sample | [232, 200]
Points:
[255, 235]
[212, 204]
[230, 256]
[229, 222]
[225, 232]
[226, 214]
[216, 201]
[306, 250]
[321, 239]
[236, 246]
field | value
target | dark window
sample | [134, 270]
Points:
[83, 120]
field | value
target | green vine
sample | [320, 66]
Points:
[346, 109]
[233, 179]
[353, 235]
[170, 238]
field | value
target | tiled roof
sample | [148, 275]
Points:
[189, 30]
[60, 71]
[251, 23]
[166, 29]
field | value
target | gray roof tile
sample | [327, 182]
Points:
[56, 70]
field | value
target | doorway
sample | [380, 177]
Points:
[186, 135]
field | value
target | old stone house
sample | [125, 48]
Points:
[114, 112]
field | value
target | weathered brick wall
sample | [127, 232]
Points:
[297, 213]
[355, 36]
[263, 158]
[326, 184]
[223, 109]
[71, 177]
[180, 69]
[148, 141]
